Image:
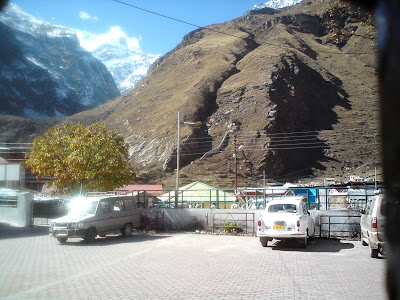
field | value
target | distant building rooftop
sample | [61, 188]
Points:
[155, 189]
[3, 161]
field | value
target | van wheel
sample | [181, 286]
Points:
[373, 252]
[363, 242]
[62, 239]
[127, 230]
[90, 235]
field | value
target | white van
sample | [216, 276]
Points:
[373, 226]
[92, 216]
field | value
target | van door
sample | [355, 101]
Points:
[133, 212]
[103, 221]
[119, 213]
[380, 215]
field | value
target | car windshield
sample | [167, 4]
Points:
[291, 208]
[82, 207]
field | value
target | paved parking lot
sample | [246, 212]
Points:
[184, 266]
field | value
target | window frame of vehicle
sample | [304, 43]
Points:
[118, 205]
[102, 210]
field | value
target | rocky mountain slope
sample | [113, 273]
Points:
[270, 92]
[45, 73]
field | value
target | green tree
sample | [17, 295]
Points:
[91, 158]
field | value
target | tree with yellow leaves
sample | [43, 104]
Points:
[90, 158]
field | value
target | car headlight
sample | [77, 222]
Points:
[80, 225]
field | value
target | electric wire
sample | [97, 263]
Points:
[175, 19]
[225, 33]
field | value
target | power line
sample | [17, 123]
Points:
[175, 19]
[228, 34]
[251, 141]
[325, 146]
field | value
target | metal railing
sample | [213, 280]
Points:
[318, 198]
[153, 219]
[339, 226]
[9, 201]
[230, 222]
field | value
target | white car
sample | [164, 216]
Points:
[286, 218]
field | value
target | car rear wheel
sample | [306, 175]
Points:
[373, 252]
[62, 239]
[127, 230]
[264, 242]
[90, 235]
[304, 241]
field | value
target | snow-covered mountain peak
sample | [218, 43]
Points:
[45, 73]
[17, 19]
[120, 53]
[276, 4]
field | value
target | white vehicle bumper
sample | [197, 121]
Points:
[281, 235]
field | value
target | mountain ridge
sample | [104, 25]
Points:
[48, 74]
[293, 101]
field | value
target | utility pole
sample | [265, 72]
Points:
[178, 153]
[264, 186]
[235, 155]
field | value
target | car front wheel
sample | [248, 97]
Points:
[62, 239]
[90, 235]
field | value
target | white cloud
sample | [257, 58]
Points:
[85, 16]
[115, 35]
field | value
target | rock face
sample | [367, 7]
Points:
[45, 73]
[270, 92]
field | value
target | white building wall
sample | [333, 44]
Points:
[21, 215]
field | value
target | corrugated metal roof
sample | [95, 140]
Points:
[198, 192]
[151, 188]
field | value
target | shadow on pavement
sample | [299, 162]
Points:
[113, 239]
[8, 231]
[315, 245]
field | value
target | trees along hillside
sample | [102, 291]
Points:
[90, 158]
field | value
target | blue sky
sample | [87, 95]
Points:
[99, 20]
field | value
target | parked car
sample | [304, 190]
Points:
[372, 226]
[92, 216]
[286, 218]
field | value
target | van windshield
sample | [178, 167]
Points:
[81, 207]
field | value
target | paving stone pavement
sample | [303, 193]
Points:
[186, 266]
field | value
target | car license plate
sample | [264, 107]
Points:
[278, 225]
[62, 232]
